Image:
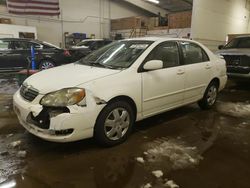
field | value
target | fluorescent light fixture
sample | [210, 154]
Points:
[154, 1]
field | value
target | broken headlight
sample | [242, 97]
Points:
[64, 97]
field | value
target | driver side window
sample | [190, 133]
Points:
[167, 52]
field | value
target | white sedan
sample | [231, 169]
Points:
[105, 93]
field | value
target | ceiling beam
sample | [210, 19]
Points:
[148, 7]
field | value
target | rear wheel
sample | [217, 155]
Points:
[209, 97]
[114, 123]
[46, 64]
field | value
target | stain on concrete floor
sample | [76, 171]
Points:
[194, 148]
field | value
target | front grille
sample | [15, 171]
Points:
[28, 93]
[237, 64]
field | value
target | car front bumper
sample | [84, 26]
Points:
[75, 125]
[223, 82]
[239, 76]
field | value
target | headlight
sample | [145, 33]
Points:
[64, 97]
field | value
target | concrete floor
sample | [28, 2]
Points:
[194, 148]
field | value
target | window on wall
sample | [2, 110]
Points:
[167, 52]
[192, 53]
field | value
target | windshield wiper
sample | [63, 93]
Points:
[103, 65]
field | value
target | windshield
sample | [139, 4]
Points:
[243, 42]
[119, 54]
[85, 43]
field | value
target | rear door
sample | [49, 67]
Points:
[198, 70]
[22, 51]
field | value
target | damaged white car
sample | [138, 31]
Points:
[105, 93]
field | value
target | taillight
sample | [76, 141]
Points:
[66, 53]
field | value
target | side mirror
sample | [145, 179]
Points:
[220, 47]
[153, 65]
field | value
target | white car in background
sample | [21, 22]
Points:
[103, 94]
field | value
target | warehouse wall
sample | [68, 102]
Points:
[91, 17]
[212, 20]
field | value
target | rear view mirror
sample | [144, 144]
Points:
[153, 65]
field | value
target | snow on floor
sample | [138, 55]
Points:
[157, 173]
[171, 155]
[163, 155]
[234, 109]
[171, 184]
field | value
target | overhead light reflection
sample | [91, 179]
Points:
[154, 1]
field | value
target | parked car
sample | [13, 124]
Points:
[14, 53]
[103, 94]
[237, 56]
[87, 46]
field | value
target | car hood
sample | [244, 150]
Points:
[234, 51]
[66, 76]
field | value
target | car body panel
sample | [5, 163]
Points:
[237, 60]
[152, 92]
[15, 58]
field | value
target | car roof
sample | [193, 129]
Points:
[160, 39]
[20, 39]
[92, 40]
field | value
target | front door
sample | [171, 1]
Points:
[163, 89]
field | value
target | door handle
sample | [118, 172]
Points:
[180, 72]
[208, 66]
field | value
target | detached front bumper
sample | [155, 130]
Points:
[76, 124]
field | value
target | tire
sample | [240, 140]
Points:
[114, 124]
[210, 96]
[46, 64]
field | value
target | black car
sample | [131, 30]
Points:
[87, 46]
[14, 54]
[237, 56]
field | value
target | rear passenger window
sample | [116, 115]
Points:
[21, 45]
[167, 52]
[192, 53]
[5, 45]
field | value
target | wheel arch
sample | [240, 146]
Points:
[216, 80]
[127, 99]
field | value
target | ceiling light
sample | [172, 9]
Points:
[154, 1]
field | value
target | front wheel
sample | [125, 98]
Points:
[46, 64]
[114, 123]
[209, 97]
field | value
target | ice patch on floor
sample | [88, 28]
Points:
[12, 156]
[234, 109]
[8, 86]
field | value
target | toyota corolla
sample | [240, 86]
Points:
[105, 93]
